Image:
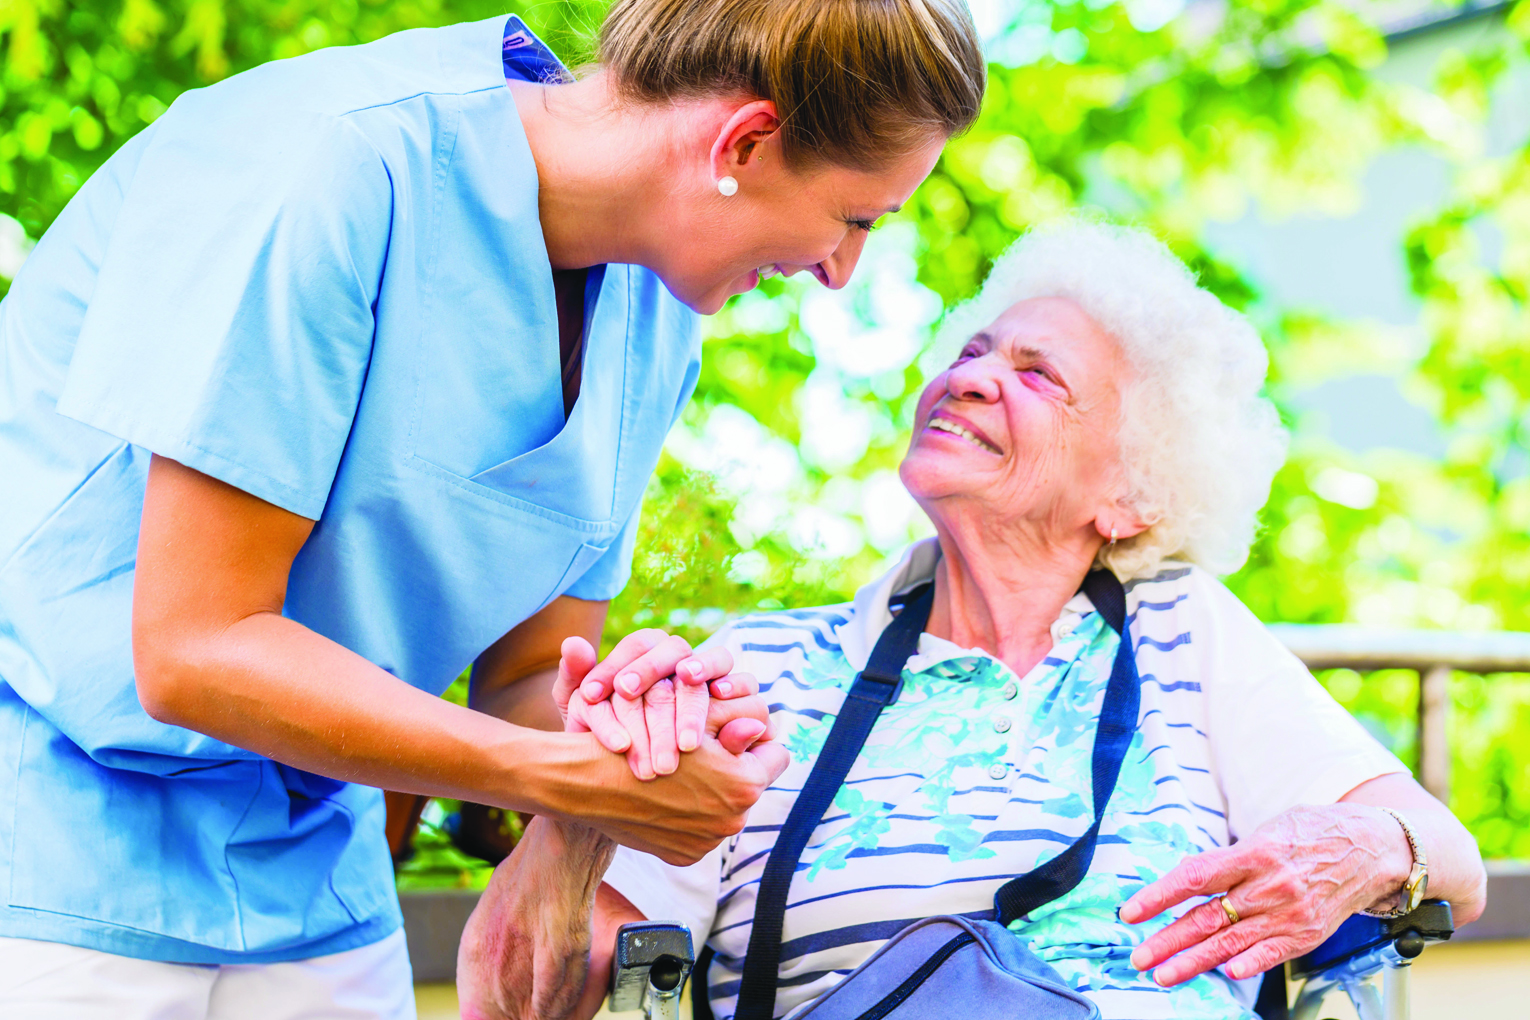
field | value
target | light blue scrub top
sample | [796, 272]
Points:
[322, 281]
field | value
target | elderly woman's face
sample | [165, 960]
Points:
[1024, 423]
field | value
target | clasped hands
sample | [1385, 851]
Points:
[652, 699]
[654, 696]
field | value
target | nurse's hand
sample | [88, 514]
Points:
[677, 818]
[663, 694]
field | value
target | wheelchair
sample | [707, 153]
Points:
[1367, 958]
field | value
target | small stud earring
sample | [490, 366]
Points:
[728, 186]
[1112, 536]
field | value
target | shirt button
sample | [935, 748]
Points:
[1001, 724]
[1009, 691]
[998, 770]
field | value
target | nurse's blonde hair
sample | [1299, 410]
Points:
[856, 83]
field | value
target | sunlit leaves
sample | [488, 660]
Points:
[140, 24]
[690, 571]
[80, 78]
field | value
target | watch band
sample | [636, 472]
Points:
[1420, 861]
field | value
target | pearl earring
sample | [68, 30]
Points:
[728, 186]
[1112, 536]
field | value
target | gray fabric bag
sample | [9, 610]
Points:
[948, 965]
[951, 966]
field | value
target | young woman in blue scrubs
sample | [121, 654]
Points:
[351, 370]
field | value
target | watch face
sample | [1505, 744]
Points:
[1416, 887]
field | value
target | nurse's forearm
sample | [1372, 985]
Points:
[269, 684]
[513, 678]
[212, 652]
[528, 702]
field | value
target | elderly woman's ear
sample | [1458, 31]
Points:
[1117, 520]
[1119, 527]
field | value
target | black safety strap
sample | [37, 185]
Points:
[701, 1000]
[878, 686]
[1118, 721]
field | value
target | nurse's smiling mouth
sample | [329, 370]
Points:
[765, 272]
[760, 275]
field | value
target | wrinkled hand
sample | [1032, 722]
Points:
[1292, 882]
[525, 950]
[651, 698]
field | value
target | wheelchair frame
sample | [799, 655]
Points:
[1367, 957]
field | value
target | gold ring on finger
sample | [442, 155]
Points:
[1227, 908]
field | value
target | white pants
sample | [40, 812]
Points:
[51, 981]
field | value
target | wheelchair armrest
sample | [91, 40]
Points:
[1361, 934]
[657, 951]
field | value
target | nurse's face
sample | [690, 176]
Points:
[788, 222]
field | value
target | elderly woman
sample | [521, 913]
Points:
[1103, 411]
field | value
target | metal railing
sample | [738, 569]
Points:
[1433, 655]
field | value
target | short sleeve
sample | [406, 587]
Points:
[663, 892]
[231, 324]
[1278, 738]
[608, 575]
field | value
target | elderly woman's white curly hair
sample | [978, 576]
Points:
[1200, 443]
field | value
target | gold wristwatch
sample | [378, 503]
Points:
[1417, 886]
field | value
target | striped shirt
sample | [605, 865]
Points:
[977, 775]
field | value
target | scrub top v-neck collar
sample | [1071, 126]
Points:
[602, 347]
[526, 58]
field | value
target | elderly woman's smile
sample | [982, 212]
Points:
[945, 421]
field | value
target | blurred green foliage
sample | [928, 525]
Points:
[436, 862]
[689, 571]
[1169, 115]
[81, 77]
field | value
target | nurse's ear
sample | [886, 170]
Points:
[740, 144]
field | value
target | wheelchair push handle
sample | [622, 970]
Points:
[1361, 934]
[649, 967]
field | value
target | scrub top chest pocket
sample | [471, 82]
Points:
[538, 516]
[553, 515]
